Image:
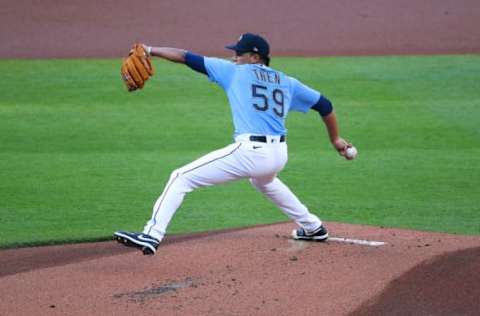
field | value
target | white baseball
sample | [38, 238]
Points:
[351, 152]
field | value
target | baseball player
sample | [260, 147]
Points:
[260, 99]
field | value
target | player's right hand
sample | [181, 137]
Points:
[341, 145]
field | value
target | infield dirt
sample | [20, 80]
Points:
[253, 271]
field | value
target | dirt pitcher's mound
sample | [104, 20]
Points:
[448, 284]
[254, 271]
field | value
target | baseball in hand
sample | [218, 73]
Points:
[351, 153]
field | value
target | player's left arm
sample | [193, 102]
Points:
[177, 55]
[217, 70]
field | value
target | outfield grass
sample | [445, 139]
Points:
[80, 157]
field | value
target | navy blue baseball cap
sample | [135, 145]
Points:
[253, 43]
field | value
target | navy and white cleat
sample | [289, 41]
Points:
[144, 242]
[320, 234]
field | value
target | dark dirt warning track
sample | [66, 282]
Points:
[56, 28]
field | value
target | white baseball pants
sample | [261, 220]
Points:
[260, 162]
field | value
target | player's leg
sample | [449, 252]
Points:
[217, 167]
[286, 200]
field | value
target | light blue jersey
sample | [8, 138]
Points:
[260, 97]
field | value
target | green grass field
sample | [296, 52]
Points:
[80, 157]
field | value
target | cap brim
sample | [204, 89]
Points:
[236, 48]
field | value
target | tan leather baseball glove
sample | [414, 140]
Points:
[136, 68]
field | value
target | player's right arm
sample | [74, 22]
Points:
[331, 124]
[305, 98]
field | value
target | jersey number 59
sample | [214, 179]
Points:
[261, 93]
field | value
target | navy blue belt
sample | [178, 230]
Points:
[263, 139]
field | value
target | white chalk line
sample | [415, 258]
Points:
[357, 241]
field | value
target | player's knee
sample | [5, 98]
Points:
[175, 174]
[181, 182]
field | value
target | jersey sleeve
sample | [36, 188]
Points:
[195, 62]
[219, 70]
[323, 106]
[303, 97]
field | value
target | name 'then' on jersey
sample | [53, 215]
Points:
[259, 96]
